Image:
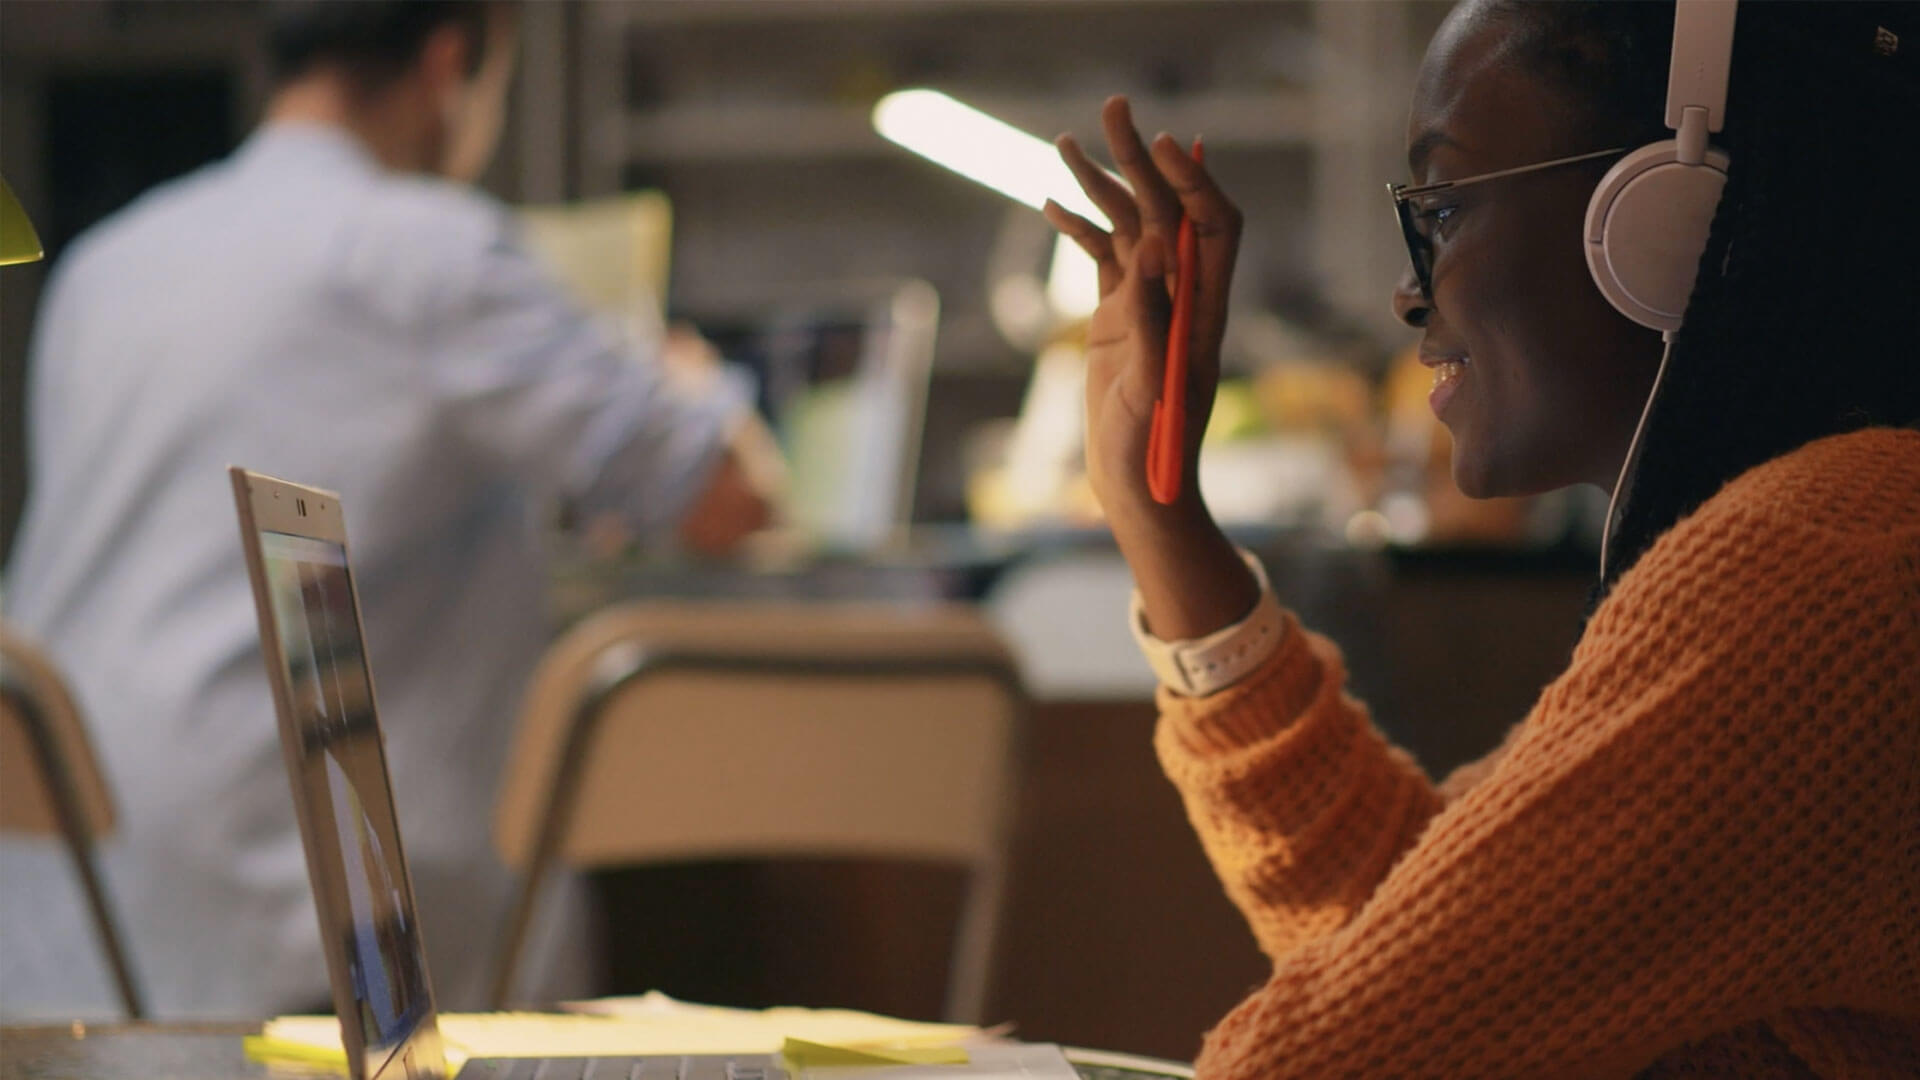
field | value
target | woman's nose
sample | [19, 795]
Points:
[1410, 305]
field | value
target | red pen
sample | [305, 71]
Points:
[1166, 441]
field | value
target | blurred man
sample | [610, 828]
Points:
[334, 305]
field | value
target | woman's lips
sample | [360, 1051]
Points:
[1447, 373]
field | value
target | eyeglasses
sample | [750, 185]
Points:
[1413, 221]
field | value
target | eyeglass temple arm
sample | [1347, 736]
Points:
[1402, 194]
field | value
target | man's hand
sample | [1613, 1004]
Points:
[742, 494]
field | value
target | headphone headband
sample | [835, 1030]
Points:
[1648, 221]
[1702, 54]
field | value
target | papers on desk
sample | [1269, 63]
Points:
[812, 1055]
[629, 1027]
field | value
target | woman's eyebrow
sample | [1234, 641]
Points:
[1424, 146]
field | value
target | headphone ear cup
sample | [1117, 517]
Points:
[1646, 227]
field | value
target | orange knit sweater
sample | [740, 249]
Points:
[1698, 855]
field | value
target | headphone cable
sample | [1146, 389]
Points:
[1633, 453]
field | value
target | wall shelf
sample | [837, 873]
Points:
[737, 131]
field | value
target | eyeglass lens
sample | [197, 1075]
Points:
[1419, 250]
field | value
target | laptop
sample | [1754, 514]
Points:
[311, 637]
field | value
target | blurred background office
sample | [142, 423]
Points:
[911, 335]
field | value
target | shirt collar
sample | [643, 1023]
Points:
[307, 146]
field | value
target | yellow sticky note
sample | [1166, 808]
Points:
[271, 1051]
[804, 1054]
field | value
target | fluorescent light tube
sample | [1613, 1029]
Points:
[981, 148]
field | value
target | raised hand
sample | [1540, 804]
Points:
[1127, 346]
[1187, 573]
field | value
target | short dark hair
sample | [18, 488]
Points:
[372, 41]
[1801, 322]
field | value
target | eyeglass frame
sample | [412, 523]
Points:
[1417, 244]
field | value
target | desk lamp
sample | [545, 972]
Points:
[18, 242]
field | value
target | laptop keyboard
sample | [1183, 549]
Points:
[631, 1068]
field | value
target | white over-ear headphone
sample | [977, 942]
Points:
[1648, 220]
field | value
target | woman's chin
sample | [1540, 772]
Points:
[1487, 476]
[1471, 475]
[1478, 476]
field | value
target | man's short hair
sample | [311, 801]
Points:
[372, 41]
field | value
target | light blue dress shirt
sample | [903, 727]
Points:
[298, 310]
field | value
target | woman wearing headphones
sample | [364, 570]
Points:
[1700, 853]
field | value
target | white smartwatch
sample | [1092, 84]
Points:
[1197, 667]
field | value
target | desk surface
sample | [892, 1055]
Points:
[114, 1051]
[212, 1051]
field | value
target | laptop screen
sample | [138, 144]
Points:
[342, 768]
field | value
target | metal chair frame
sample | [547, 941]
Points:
[74, 830]
[624, 665]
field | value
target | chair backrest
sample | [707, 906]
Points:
[660, 732]
[754, 730]
[52, 784]
[38, 717]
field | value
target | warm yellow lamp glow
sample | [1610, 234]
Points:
[18, 242]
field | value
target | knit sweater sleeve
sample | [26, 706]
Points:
[1300, 803]
[1699, 823]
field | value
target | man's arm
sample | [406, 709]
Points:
[566, 404]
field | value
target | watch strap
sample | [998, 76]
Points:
[1197, 667]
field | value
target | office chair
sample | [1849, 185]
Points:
[664, 732]
[51, 784]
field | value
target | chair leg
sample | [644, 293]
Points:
[79, 839]
[970, 970]
[513, 937]
[110, 939]
[546, 845]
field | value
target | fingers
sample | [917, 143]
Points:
[1148, 310]
[1212, 213]
[1126, 342]
[1216, 231]
[1091, 239]
[1159, 208]
[1110, 195]
[1167, 184]
[1152, 264]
